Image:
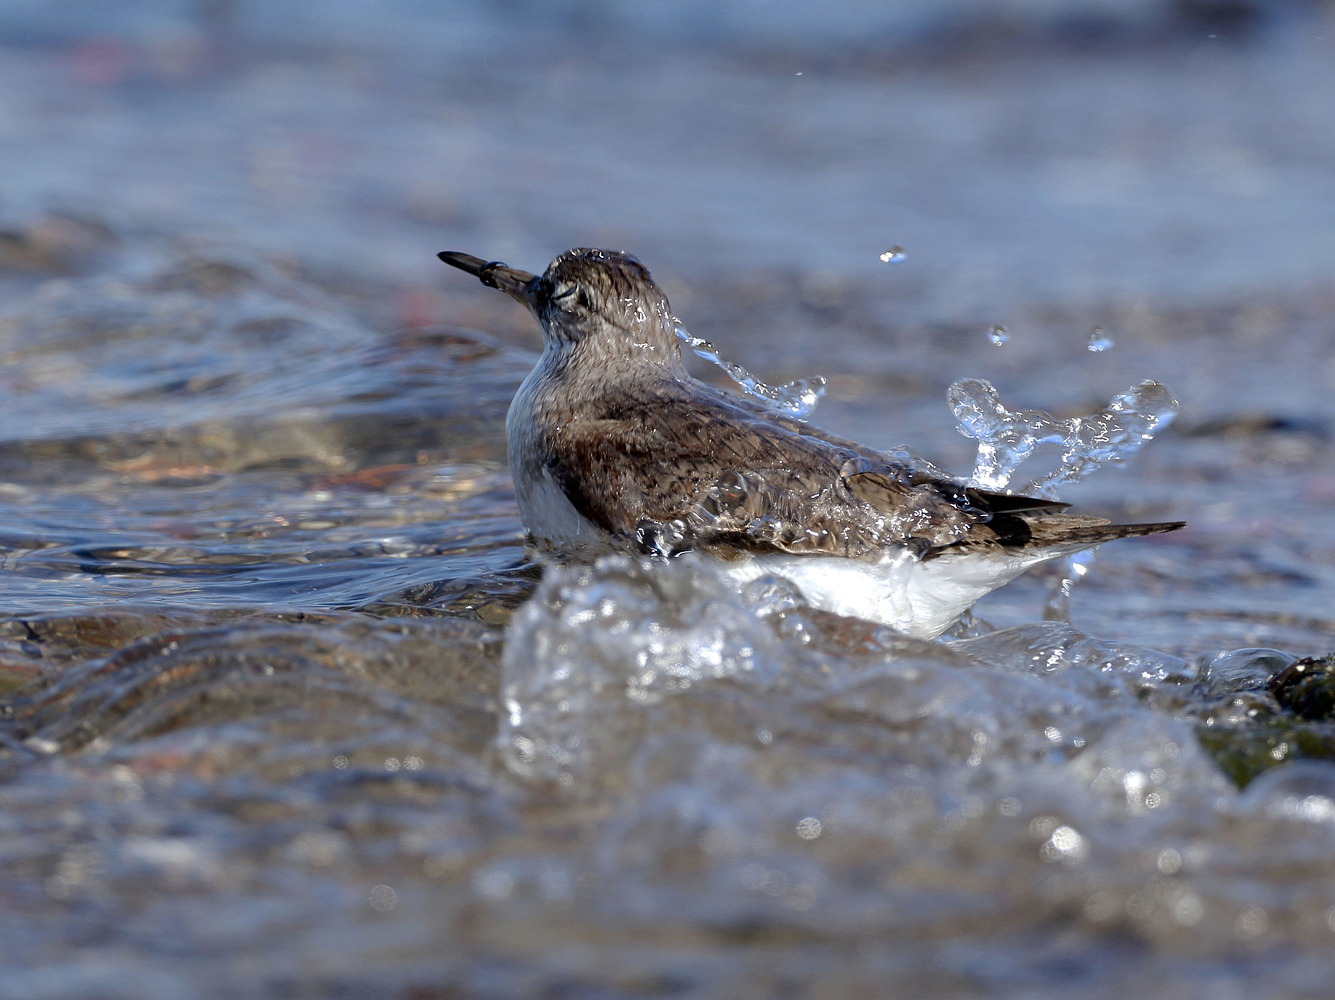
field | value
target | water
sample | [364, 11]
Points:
[287, 712]
[998, 335]
[1098, 341]
[1007, 438]
[894, 255]
[815, 786]
[269, 690]
[796, 399]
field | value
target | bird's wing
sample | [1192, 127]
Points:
[721, 477]
[636, 472]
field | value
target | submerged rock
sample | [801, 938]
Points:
[1307, 687]
[1247, 751]
[1262, 722]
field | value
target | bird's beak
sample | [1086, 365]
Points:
[513, 282]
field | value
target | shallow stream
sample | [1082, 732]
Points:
[285, 712]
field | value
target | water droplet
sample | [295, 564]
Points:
[797, 398]
[892, 256]
[998, 335]
[1098, 340]
[809, 828]
[1251, 923]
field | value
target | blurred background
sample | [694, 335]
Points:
[1089, 160]
[1069, 153]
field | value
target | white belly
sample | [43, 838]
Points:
[921, 599]
[553, 521]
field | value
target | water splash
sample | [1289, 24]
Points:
[893, 256]
[1006, 438]
[1063, 575]
[797, 398]
[1098, 341]
[998, 335]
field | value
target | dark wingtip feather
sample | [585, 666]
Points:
[1007, 503]
[1051, 531]
[1062, 533]
[1157, 528]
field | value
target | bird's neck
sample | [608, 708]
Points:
[603, 358]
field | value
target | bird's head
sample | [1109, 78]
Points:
[602, 302]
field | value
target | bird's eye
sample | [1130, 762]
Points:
[564, 293]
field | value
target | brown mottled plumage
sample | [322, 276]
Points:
[613, 445]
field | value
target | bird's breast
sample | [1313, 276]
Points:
[548, 515]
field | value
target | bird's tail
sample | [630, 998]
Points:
[1074, 532]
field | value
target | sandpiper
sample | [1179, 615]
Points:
[614, 446]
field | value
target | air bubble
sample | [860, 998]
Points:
[998, 335]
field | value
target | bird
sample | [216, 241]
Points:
[615, 447]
